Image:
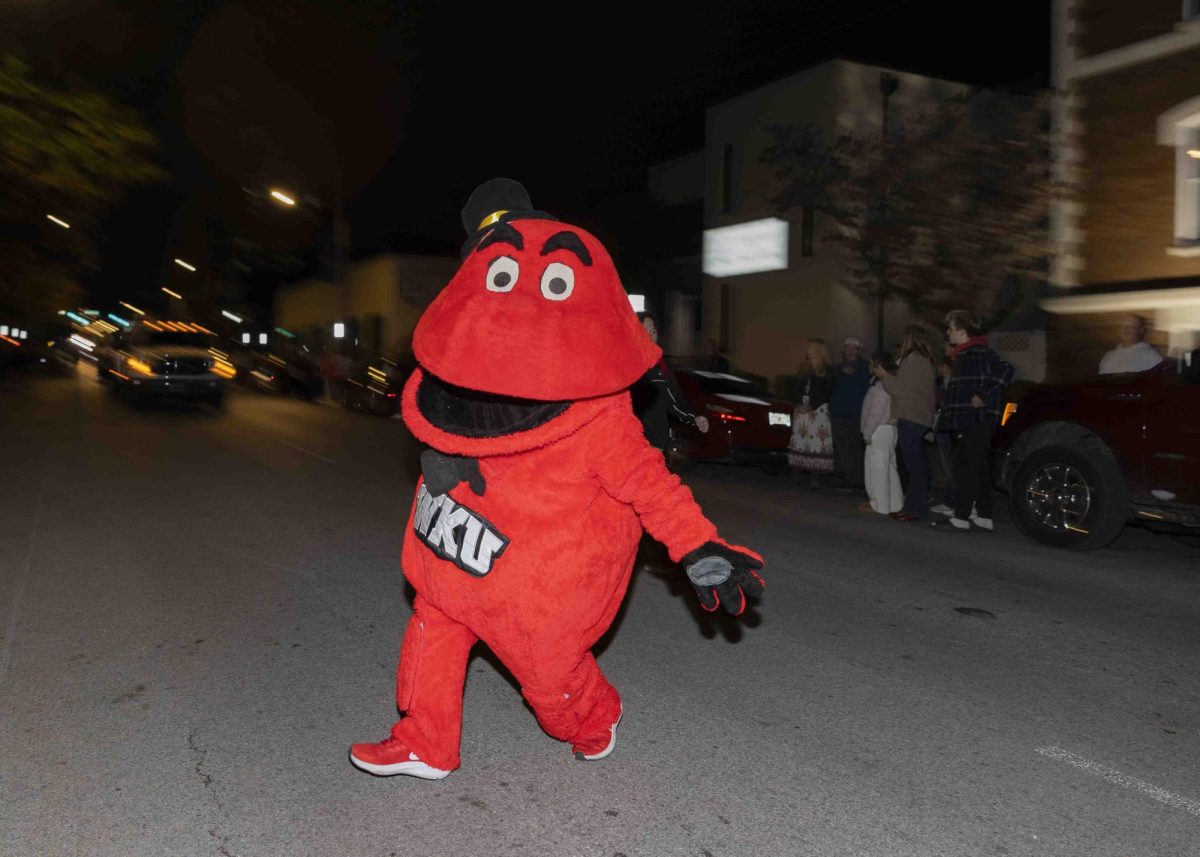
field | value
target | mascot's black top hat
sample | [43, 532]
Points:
[494, 201]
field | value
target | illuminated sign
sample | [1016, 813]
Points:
[746, 248]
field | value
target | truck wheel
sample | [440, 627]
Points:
[1070, 497]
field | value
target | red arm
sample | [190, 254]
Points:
[634, 472]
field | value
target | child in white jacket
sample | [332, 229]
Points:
[884, 492]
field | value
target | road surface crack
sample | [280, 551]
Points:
[199, 757]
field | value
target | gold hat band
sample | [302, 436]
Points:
[491, 218]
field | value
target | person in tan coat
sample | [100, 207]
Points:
[912, 387]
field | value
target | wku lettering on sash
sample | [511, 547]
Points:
[455, 533]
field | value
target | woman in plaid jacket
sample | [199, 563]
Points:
[971, 410]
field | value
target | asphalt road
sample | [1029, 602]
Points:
[200, 612]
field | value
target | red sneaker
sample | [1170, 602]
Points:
[391, 756]
[601, 747]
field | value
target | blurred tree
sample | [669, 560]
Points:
[69, 153]
[950, 210]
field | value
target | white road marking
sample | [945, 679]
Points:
[308, 452]
[1117, 778]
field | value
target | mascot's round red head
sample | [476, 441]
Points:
[535, 312]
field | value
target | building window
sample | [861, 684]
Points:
[1187, 184]
[727, 180]
[806, 232]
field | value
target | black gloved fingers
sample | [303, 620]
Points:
[708, 598]
[750, 583]
[732, 597]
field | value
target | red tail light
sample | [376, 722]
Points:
[731, 418]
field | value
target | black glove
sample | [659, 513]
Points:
[722, 575]
[443, 472]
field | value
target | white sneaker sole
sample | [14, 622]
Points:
[612, 742]
[411, 769]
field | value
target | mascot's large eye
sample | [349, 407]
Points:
[558, 282]
[502, 274]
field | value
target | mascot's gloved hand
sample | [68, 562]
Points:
[443, 472]
[723, 574]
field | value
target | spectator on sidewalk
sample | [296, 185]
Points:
[811, 447]
[884, 494]
[1133, 353]
[945, 443]
[851, 378]
[911, 387]
[974, 400]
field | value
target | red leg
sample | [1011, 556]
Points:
[429, 684]
[572, 699]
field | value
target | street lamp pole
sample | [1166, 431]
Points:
[339, 226]
[341, 246]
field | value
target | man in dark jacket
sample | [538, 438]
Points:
[657, 398]
[851, 378]
[971, 410]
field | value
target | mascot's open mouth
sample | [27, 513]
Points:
[470, 413]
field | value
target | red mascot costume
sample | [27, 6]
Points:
[535, 492]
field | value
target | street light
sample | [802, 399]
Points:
[185, 265]
[175, 295]
[131, 307]
[339, 331]
[231, 316]
[61, 223]
[341, 233]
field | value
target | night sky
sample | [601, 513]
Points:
[404, 108]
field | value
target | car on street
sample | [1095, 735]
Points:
[166, 360]
[374, 389]
[1080, 460]
[746, 423]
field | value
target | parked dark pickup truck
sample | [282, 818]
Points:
[1080, 460]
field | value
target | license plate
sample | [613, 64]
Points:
[778, 419]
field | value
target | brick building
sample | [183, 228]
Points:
[1128, 141]
[762, 317]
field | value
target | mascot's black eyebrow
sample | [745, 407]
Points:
[502, 233]
[567, 241]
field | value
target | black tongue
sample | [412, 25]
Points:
[444, 472]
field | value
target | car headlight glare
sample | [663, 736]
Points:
[140, 366]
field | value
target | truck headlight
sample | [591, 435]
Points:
[139, 366]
